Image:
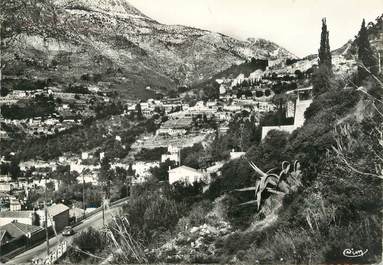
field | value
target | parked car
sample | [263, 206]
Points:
[68, 231]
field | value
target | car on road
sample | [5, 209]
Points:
[68, 231]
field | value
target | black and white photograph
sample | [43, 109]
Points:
[191, 132]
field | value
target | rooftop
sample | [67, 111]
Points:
[178, 123]
[16, 229]
[16, 214]
[57, 209]
[185, 168]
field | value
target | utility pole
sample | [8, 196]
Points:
[103, 211]
[1, 65]
[46, 216]
[241, 143]
[179, 156]
[83, 194]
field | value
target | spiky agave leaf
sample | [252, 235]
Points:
[270, 181]
[249, 203]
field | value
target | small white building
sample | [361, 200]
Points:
[187, 174]
[84, 155]
[172, 157]
[236, 155]
[14, 205]
[5, 178]
[173, 154]
[5, 187]
[238, 80]
[222, 89]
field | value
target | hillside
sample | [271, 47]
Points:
[375, 32]
[344, 59]
[120, 45]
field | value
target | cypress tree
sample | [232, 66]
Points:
[322, 78]
[139, 111]
[324, 50]
[365, 54]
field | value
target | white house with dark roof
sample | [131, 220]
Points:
[187, 174]
[59, 214]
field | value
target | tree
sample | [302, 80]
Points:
[324, 52]
[139, 111]
[161, 172]
[299, 74]
[130, 171]
[106, 175]
[323, 75]
[121, 174]
[322, 80]
[14, 169]
[365, 55]
[150, 213]
[82, 241]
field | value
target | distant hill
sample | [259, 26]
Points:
[245, 68]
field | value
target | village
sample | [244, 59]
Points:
[179, 124]
[217, 132]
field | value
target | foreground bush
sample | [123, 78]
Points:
[87, 245]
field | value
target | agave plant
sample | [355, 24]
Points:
[272, 182]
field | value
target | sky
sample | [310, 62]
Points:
[293, 24]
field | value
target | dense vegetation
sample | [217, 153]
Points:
[151, 154]
[337, 207]
[40, 106]
[81, 138]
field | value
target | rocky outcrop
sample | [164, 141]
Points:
[195, 245]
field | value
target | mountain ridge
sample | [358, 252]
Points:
[128, 49]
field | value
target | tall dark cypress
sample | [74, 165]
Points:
[324, 50]
[365, 54]
[322, 77]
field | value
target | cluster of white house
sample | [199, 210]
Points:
[153, 106]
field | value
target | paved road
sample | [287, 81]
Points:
[94, 221]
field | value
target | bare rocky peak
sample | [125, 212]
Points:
[120, 8]
[113, 39]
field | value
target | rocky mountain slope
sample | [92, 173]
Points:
[375, 32]
[344, 59]
[112, 41]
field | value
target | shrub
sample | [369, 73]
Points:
[82, 241]
[198, 213]
[149, 214]
[151, 154]
[259, 93]
[183, 192]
